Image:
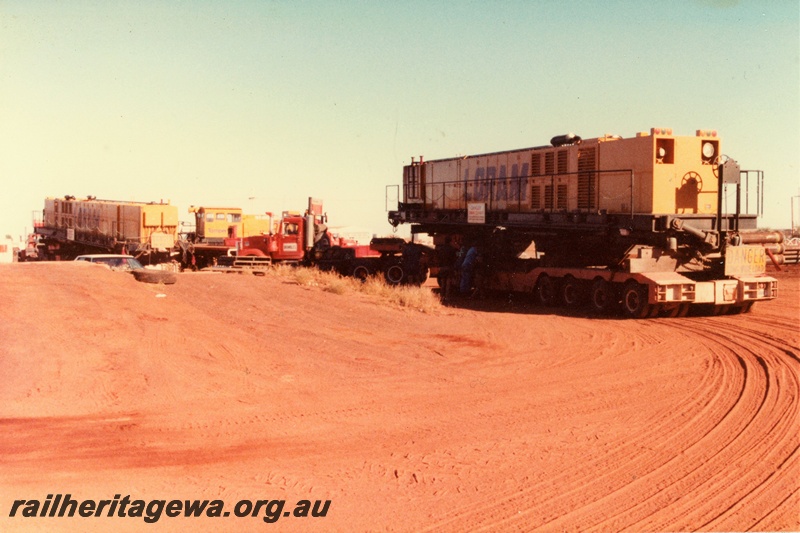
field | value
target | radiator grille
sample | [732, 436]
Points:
[587, 179]
[562, 162]
[536, 164]
[536, 197]
[561, 198]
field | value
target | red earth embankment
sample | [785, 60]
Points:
[499, 418]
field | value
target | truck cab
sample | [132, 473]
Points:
[296, 235]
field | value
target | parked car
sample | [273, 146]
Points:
[130, 264]
[112, 261]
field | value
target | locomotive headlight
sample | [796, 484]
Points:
[709, 150]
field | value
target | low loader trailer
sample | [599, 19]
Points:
[639, 226]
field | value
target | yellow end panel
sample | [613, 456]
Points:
[614, 188]
[170, 216]
[159, 215]
[255, 225]
[151, 216]
[688, 185]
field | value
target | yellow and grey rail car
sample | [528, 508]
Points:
[651, 185]
[72, 226]
[213, 225]
[655, 172]
[611, 218]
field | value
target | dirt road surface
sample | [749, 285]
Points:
[501, 418]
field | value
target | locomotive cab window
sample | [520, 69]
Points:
[665, 151]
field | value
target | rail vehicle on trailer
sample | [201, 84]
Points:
[223, 238]
[71, 226]
[637, 225]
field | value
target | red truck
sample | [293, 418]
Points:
[305, 240]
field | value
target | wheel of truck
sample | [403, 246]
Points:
[719, 310]
[571, 292]
[669, 310]
[634, 300]
[423, 276]
[674, 310]
[395, 274]
[361, 273]
[147, 275]
[602, 297]
[546, 291]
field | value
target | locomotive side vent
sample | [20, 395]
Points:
[562, 162]
[587, 179]
[536, 196]
[548, 197]
[536, 164]
[561, 197]
[549, 164]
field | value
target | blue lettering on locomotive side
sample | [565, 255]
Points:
[491, 184]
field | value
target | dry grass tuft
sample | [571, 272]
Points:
[412, 297]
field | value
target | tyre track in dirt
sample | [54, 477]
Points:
[757, 429]
[581, 473]
[770, 439]
[743, 413]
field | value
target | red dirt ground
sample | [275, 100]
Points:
[501, 418]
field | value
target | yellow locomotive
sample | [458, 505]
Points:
[654, 172]
[640, 222]
[215, 224]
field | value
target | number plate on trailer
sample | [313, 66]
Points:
[743, 260]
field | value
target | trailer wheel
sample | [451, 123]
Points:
[602, 297]
[361, 273]
[634, 300]
[720, 310]
[571, 292]
[394, 275]
[744, 308]
[676, 310]
[546, 291]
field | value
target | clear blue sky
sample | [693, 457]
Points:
[261, 104]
